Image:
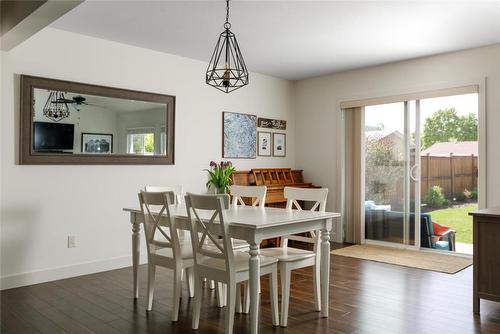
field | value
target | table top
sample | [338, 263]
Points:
[491, 212]
[254, 217]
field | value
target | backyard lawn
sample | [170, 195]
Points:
[457, 219]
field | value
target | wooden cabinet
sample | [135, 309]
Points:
[486, 256]
[276, 179]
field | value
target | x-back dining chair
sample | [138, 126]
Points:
[217, 260]
[257, 196]
[291, 258]
[178, 191]
[165, 249]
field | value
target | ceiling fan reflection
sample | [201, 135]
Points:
[77, 101]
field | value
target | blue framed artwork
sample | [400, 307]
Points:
[239, 135]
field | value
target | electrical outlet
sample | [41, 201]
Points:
[71, 241]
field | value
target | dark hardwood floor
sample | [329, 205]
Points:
[365, 297]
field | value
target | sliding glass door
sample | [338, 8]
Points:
[434, 140]
[391, 170]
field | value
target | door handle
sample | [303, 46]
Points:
[412, 173]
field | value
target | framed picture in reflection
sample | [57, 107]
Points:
[97, 143]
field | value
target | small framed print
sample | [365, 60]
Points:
[264, 142]
[268, 123]
[97, 143]
[279, 145]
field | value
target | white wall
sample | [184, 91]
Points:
[42, 205]
[318, 116]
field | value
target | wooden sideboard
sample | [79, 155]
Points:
[276, 179]
[486, 256]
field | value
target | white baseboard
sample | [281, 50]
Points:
[52, 274]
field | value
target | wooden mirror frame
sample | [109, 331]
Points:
[28, 157]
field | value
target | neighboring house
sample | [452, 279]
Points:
[397, 140]
[462, 148]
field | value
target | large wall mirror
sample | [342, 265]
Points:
[74, 123]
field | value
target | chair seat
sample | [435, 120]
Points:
[240, 261]
[442, 245]
[287, 254]
[239, 244]
[186, 251]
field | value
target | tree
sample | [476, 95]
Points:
[445, 125]
[468, 127]
[149, 146]
[384, 166]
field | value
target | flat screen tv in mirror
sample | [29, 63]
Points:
[53, 137]
[73, 123]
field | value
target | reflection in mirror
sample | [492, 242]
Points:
[73, 123]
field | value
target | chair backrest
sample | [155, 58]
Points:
[257, 192]
[318, 198]
[209, 229]
[156, 211]
[316, 195]
[426, 230]
[177, 189]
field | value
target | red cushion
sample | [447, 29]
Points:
[439, 229]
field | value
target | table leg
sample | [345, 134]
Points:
[476, 302]
[325, 271]
[136, 252]
[254, 278]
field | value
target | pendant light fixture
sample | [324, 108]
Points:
[227, 70]
[56, 108]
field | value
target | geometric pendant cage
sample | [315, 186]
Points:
[227, 70]
[54, 108]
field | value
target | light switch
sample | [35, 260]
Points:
[71, 241]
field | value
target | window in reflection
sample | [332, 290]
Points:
[141, 143]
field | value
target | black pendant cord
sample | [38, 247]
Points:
[227, 64]
[227, 25]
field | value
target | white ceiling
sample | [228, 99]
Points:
[295, 39]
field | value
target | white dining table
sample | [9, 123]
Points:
[254, 224]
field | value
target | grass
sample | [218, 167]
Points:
[457, 219]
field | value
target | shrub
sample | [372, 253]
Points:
[473, 194]
[467, 194]
[435, 197]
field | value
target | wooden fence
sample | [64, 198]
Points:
[452, 173]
